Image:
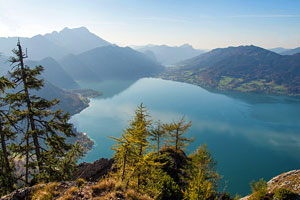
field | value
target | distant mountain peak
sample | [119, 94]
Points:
[186, 46]
[67, 29]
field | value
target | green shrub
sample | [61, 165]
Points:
[80, 182]
[169, 189]
[284, 194]
[259, 190]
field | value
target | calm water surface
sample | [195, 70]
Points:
[250, 136]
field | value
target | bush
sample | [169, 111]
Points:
[80, 182]
[284, 194]
[169, 189]
[259, 190]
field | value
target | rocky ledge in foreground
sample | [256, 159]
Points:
[289, 180]
[91, 172]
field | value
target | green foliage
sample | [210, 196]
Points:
[262, 71]
[202, 159]
[168, 188]
[259, 190]
[132, 152]
[168, 173]
[199, 188]
[284, 194]
[176, 131]
[31, 131]
[43, 145]
[7, 168]
[157, 135]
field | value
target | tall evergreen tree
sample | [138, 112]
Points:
[7, 176]
[43, 143]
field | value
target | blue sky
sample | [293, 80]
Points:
[204, 24]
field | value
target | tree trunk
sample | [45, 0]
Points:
[4, 149]
[28, 102]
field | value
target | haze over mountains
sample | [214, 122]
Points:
[291, 51]
[170, 55]
[74, 55]
[79, 55]
[283, 51]
[55, 44]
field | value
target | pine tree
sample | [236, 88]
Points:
[43, 141]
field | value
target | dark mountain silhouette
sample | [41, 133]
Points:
[244, 68]
[171, 55]
[110, 62]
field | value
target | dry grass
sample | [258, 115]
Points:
[72, 191]
[133, 195]
[106, 185]
[46, 192]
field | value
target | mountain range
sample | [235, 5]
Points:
[291, 51]
[55, 44]
[170, 55]
[283, 51]
[110, 62]
[243, 68]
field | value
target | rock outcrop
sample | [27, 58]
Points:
[91, 172]
[94, 171]
[289, 180]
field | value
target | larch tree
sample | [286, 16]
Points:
[176, 131]
[133, 153]
[157, 135]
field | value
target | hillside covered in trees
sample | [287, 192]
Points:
[243, 69]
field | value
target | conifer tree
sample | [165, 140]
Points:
[176, 131]
[202, 159]
[133, 154]
[199, 188]
[43, 143]
[7, 176]
[122, 153]
[157, 134]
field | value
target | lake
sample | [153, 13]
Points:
[249, 135]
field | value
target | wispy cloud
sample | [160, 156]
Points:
[265, 16]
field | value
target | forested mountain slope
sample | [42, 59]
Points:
[243, 68]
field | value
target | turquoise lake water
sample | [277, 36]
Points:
[249, 135]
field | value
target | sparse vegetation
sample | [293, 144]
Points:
[284, 194]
